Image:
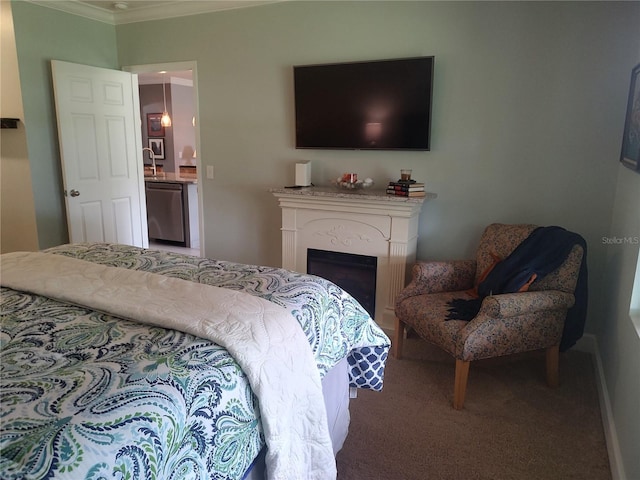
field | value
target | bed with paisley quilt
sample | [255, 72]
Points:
[118, 362]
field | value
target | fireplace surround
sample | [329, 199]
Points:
[367, 223]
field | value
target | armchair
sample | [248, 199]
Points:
[525, 317]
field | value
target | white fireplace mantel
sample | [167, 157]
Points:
[361, 222]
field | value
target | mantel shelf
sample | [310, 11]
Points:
[362, 194]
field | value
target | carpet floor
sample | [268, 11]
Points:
[513, 425]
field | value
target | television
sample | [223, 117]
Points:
[370, 105]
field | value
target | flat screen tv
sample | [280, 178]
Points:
[372, 105]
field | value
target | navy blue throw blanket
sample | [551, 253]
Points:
[543, 251]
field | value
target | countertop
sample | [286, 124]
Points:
[172, 178]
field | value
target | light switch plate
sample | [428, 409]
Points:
[210, 172]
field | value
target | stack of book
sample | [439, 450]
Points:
[406, 188]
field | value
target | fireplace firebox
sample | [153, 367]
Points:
[356, 274]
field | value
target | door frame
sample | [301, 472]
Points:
[177, 66]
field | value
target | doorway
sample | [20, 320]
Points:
[172, 88]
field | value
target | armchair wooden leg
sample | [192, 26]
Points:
[553, 360]
[460, 385]
[398, 339]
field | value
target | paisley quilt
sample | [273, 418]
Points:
[88, 395]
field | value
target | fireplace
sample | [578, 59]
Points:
[380, 227]
[356, 274]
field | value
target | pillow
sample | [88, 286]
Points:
[525, 287]
[496, 259]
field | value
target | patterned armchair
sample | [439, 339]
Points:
[505, 323]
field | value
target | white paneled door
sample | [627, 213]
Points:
[101, 152]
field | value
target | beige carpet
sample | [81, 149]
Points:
[513, 425]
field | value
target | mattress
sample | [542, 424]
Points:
[90, 394]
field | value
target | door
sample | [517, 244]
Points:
[97, 111]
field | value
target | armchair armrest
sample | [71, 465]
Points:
[514, 322]
[435, 277]
[514, 304]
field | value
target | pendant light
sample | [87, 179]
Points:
[165, 121]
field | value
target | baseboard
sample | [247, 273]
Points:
[589, 343]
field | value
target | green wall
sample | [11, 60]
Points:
[529, 102]
[619, 341]
[42, 35]
[529, 105]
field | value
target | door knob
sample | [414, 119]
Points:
[74, 193]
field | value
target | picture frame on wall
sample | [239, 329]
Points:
[630, 154]
[157, 146]
[154, 127]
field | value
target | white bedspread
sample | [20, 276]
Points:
[264, 338]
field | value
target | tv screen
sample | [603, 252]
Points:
[373, 105]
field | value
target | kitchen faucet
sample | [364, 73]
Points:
[153, 159]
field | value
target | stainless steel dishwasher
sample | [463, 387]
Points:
[165, 211]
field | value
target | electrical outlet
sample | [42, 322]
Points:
[210, 172]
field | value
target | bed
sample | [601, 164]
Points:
[129, 363]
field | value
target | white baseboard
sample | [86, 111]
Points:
[589, 343]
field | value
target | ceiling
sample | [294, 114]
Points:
[117, 12]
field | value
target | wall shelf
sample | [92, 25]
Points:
[9, 122]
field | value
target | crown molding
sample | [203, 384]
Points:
[143, 14]
[77, 8]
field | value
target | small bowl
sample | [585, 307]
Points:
[359, 185]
